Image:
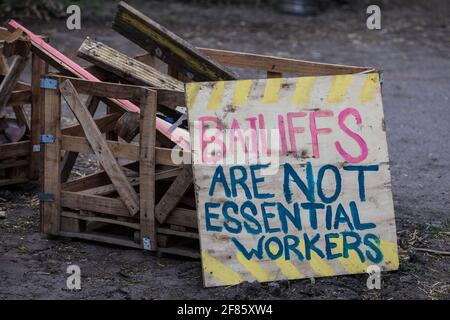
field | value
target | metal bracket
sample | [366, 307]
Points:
[146, 243]
[36, 147]
[47, 83]
[47, 138]
[46, 197]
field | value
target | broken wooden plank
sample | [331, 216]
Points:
[130, 69]
[174, 194]
[100, 147]
[167, 46]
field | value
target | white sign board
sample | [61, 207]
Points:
[292, 178]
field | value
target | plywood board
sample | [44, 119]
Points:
[306, 193]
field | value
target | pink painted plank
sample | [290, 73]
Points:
[179, 136]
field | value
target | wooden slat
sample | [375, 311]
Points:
[106, 89]
[94, 180]
[121, 241]
[70, 158]
[184, 234]
[4, 67]
[174, 194]
[21, 116]
[50, 210]
[108, 188]
[171, 99]
[276, 64]
[127, 126]
[15, 149]
[167, 46]
[38, 68]
[9, 82]
[115, 207]
[7, 182]
[164, 156]
[100, 147]
[13, 163]
[183, 217]
[74, 215]
[104, 123]
[147, 170]
[125, 67]
[80, 201]
[90, 181]
[22, 86]
[119, 149]
[19, 97]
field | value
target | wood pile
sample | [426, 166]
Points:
[139, 197]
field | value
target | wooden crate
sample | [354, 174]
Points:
[117, 204]
[19, 161]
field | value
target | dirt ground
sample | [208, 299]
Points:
[412, 49]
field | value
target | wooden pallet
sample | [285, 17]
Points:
[19, 161]
[121, 203]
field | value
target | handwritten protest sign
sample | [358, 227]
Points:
[291, 177]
